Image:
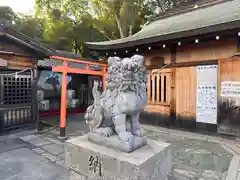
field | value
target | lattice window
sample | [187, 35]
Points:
[159, 87]
[17, 90]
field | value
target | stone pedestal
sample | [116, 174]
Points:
[113, 142]
[150, 162]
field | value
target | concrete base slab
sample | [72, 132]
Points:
[115, 143]
[95, 162]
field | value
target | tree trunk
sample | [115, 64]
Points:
[120, 28]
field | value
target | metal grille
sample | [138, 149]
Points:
[17, 90]
[16, 108]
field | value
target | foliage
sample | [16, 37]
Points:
[67, 24]
[7, 13]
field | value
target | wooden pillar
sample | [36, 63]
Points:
[153, 88]
[173, 115]
[149, 87]
[35, 110]
[63, 134]
[158, 87]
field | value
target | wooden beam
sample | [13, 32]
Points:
[76, 71]
[79, 61]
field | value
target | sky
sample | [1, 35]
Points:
[20, 6]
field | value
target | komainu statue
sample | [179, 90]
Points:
[121, 101]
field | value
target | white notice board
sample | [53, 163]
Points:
[206, 105]
[230, 89]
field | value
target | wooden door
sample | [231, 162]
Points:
[185, 93]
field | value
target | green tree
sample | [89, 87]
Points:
[67, 24]
[125, 16]
[7, 14]
[26, 24]
[31, 26]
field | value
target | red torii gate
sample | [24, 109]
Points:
[64, 69]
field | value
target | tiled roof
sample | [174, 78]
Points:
[204, 20]
[49, 63]
[6, 30]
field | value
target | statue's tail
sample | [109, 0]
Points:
[94, 114]
[94, 117]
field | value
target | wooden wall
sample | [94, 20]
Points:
[17, 62]
[207, 51]
[183, 78]
[16, 55]
[229, 69]
[229, 107]
[9, 46]
[155, 57]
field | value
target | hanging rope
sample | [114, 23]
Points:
[19, 72]
[159, 70]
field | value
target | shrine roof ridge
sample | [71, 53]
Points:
[215, 18]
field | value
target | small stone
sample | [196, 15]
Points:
[38, 150]
[51, 157]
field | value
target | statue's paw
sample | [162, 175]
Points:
[107, 132]
[125, 136]
[138, 132]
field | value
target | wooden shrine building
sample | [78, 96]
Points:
[27, 67]
[193, 65]
[18, 75]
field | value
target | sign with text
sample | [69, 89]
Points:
[230, 89]
[206, 105]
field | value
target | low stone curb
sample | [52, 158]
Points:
[233, 170]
